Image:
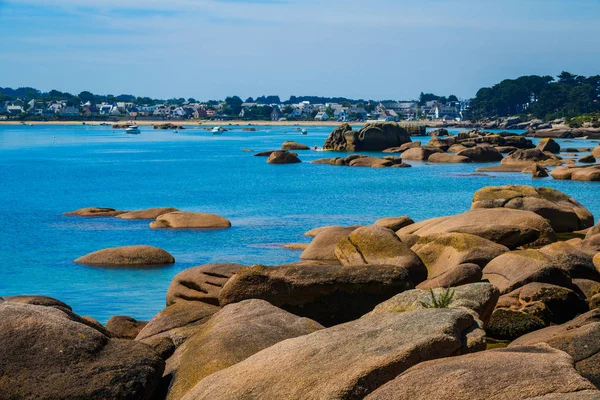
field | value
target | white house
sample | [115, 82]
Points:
[321, 116]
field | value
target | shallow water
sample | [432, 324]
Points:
[45, 171]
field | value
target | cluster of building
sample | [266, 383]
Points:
[383, 111]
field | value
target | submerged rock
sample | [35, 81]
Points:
[127, 256]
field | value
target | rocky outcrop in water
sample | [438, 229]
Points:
[190, 220]
[128, 256]
[373, 137]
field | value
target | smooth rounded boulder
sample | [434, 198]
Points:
[202, 283]
[420, 153]
[394, 223]
[328, 293]
[128, 256]
[47, 355]
[481, 154]
[323, 245]
[520, 372]
[347, 361]
[291, 145]
[445, 158]
[150, 213]
[375, 245]
[563, 212]
[510, 228]
[231, 335]
[123, 327]
[283, 157]
[578, 263]
[190, 220]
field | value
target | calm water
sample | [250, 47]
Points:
[45, 171]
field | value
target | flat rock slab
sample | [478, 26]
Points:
[150, 213]
[346, 361]
[127, 256]
[523, 372]
[95, 212]
[190, 220]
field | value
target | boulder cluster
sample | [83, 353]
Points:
[498, 302]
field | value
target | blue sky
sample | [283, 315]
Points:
[209, 49]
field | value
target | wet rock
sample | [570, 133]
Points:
[326, 293]
[190, 220]
[95, 212]
[203, 283]
[346, 361]
[521, 372]
[127, 256]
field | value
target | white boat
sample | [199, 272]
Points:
[133, 130]
[217, 130]
[304, 131]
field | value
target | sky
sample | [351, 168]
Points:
[209, 49]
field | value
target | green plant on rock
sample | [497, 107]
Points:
[442, 301]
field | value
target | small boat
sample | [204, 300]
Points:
[133, 130]
[217, 130]
[304, 131]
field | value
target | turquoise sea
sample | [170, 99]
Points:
[46, 171]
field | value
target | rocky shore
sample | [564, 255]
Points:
[499, 302]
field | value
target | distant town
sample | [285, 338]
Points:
[54, 105]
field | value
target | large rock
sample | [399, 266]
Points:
[480, 297]
[373, 162]
[420, 153]
[596, 152]
[190, 220]
[327, 293]
[178, 315]
[508, 324]
[580, 338]
[233, 334]
[394, 223]
[283, 157]
[150, 213]
[523, 372]
[577, 262]
[124, 327]
[95, 212]
[375, 245]
[518, 268]
[291, 145]
[548, 145]
[203, 283]
[525, 158]
[445, 251]
[127, 256]
[446, 158]
[510, 228]
[323, 245]
[589, 173]
[346, 361]
[373, 137]
[563, 212]
[481, 154]
[47, 355]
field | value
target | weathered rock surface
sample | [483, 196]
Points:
[95, 212]
[527, 157]
[481, 154]
[124, 327]
[190, 220]
[537, 171]
[480, 297]
[283, 157]
[374, 245]
[150, 213]
[521, 372]
[47, 355]
[518, 268]
[580, 338]
[346, 361]
[509, 324]
[585, 173]
[231, 335]
[177, 315]
[457, 275]
[373, 137]
[448, 158]
[315, 231]
[323, 245]
[329, 294]
[404, 147]
[202, 283]
[291, 145]
[548, 144]
[445, 251]
[589, 159]
[127, 256]
[394, 223]
[420, 153]
[578, 263]
[563, 212]
[510, 228]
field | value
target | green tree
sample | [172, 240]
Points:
[234, 103]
